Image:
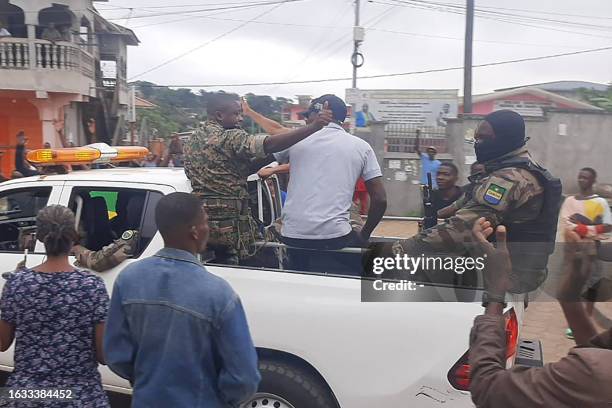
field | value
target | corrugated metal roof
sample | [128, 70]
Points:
[560, 86]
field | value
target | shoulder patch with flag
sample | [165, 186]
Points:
[494, 194]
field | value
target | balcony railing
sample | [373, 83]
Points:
[15, 53]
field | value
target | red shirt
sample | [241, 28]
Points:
[360, 186]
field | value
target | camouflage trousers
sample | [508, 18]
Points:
[233, 231]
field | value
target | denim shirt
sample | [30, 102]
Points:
[179, 334]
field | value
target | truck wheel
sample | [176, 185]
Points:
[289, 386]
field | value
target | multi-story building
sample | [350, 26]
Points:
[62, 75]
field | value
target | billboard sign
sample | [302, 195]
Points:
[418, 108]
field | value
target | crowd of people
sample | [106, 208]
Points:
[179, 334]
[172, 156]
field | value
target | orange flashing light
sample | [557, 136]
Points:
[127, 153]
[97, 153]
[73, 155]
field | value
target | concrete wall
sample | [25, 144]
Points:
[401, 171]
[561, 141]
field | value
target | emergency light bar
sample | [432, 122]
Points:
[91, 154]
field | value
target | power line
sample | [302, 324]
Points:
[428, 71]
[552, 13]
[210, 17]
[443, 37]
[196, 17]
[177, 6]
[190, 12]
[507, 20]
[457, 9]
[461, 8]
[225, 34]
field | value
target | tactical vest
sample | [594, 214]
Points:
[531, 243]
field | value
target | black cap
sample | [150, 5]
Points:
[335, 104]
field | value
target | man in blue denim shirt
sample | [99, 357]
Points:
[178, 333]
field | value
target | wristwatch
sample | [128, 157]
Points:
[493, 298]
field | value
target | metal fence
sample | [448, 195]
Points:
[401, 138]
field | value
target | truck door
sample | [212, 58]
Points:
[19, 205]
[104, 211]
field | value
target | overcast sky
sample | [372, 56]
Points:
[311, 39]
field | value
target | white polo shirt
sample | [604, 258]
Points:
[324, 170]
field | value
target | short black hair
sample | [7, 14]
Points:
[336, 105]
[219, 101]
[590, 170]
[177, 211]
[451, 166]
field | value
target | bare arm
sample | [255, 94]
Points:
[417, 142]
[563, 383]
[268, 171]
[378, 205]
[452, 209]
[577, 266]
[268, 125]
[447, 212]
[7, 335]
[282, 141]
[99, 343]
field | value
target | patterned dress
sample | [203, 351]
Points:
[55, 315]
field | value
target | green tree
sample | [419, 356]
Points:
[597, 98]
[182, 109]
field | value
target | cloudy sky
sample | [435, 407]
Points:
[240, 41]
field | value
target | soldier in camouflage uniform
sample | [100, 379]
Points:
[514, 192]
[218, 159]
[109, 256]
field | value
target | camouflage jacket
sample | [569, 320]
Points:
[507, 195]
[218, 161]
[109, 256]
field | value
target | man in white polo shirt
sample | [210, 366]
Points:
[324, 170]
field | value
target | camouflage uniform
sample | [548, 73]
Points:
[109, 256]
[218, 162]
[505, 196]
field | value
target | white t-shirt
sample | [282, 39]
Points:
[324, 170]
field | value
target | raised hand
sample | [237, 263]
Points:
[324, 116]
[498, 266]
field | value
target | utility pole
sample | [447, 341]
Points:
[467, 60]
[357, 57]
[358, 36]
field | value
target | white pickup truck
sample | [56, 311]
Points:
[319, 345]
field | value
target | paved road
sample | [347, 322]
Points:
[544, 319]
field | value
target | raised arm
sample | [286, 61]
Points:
[282, 141]
[417, 143]
[268, 125]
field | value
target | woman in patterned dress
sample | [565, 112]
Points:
[56, 315]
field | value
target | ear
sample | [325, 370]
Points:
[193, 231]
[218, 115]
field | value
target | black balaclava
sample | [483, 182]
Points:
[509, 128]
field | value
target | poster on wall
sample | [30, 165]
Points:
[403, 106]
